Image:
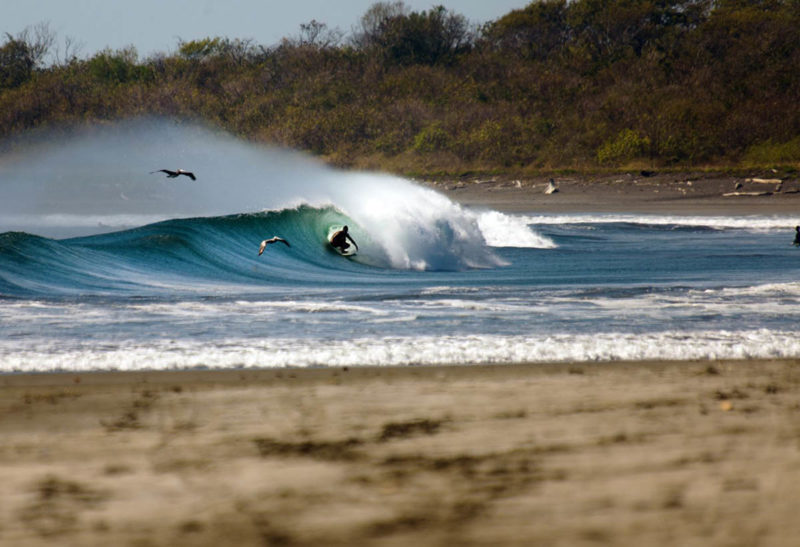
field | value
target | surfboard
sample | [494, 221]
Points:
[350, 251]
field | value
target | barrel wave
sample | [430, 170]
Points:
[185, 255]
[90, 215]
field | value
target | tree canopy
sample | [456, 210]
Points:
[556, 84]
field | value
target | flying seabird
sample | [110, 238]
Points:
[173, 174]
[271, 240]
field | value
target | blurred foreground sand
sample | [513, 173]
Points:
[677, 453]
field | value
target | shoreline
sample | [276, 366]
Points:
[685, 193]
[321, 374]
[623, 453]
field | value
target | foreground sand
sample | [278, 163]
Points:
[583, 454]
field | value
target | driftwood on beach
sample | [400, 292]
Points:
[739, 194]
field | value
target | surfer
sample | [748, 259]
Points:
[339, 239]
[271, 240]
[796, 242]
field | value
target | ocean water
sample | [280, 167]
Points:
[104, 266]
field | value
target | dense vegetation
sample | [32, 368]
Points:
[558, 84]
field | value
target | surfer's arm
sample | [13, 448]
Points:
[353, 240]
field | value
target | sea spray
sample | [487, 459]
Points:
[100, 181]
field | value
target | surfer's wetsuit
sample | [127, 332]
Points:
[340, 238]
[796, 242]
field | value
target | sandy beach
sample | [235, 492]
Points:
[683, 193]
[568, 454]
[623, 453]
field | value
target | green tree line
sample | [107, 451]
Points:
[558, 84]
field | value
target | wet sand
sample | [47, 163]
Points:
[661, 453]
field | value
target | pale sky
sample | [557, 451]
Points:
[155, 26]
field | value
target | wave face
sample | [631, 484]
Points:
[186, 255]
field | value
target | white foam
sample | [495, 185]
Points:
[770, 290]
[755, 222]
[502, 230]
[416, 227]
[43, 355]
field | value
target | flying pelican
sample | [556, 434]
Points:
[271, 240]
[173, 174]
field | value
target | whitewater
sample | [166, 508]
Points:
[105, 266]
